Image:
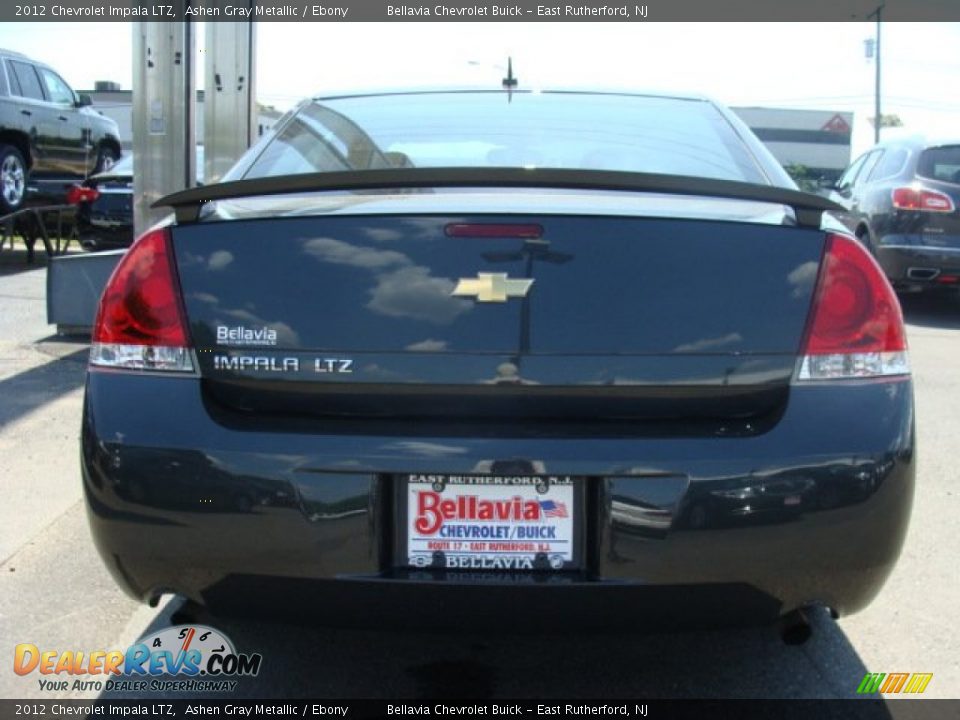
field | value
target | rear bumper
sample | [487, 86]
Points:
[910, 264]
[685, 529]
[95, 236]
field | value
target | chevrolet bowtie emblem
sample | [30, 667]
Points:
[492, 287]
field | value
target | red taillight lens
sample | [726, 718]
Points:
[856, 326]
[140, 304]
[140, 322]
[856, 309]
[78, 194]
[913, 198]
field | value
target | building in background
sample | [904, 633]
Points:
[810, 144]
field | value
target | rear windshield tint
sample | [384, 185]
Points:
[123, 166]
[485, 129]
[940, 163]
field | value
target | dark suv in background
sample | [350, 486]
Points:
[901, 201]
[49, 136]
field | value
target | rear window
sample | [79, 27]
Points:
[940, 163]
[491, 129]
[124, 165]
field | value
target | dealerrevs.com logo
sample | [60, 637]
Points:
[200, 658]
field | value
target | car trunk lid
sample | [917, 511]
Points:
[590, 317]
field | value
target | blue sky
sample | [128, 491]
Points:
[800, 65]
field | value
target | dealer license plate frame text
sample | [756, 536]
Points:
[499, 523]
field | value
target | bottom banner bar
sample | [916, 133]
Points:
[872, 709]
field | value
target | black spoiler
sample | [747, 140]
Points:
[807, 207]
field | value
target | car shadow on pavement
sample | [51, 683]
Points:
[932, 310]
[14, 262]
[417, 663]
[28, 390]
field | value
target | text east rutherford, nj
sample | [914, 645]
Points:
[500, 11]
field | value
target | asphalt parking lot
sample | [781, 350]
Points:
[55, 592]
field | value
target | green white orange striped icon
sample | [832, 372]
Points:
[892, 683]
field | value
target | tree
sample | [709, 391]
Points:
[802, 176]
[891, 120]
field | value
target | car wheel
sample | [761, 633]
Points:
[13, 179]
[106, 158]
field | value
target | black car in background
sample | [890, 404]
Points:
[901, 200]
[49, 136]
[105, 207]
[535, 354]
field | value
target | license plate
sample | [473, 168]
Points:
[484, 522]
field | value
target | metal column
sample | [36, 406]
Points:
[229, 104]
[164, 108]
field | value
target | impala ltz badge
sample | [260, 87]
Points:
[492, 287]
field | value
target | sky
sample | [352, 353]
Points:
[789, 65]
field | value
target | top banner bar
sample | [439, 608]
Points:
[479, 11]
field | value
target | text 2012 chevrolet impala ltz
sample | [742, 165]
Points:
[533, 347]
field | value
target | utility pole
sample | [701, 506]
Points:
[876, 108]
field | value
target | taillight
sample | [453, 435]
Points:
[140, 322]
[917, 198]
[856, 326]
[78, 194]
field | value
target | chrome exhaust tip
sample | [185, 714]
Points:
[918, 273]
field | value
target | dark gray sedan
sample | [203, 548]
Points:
[548, 354]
